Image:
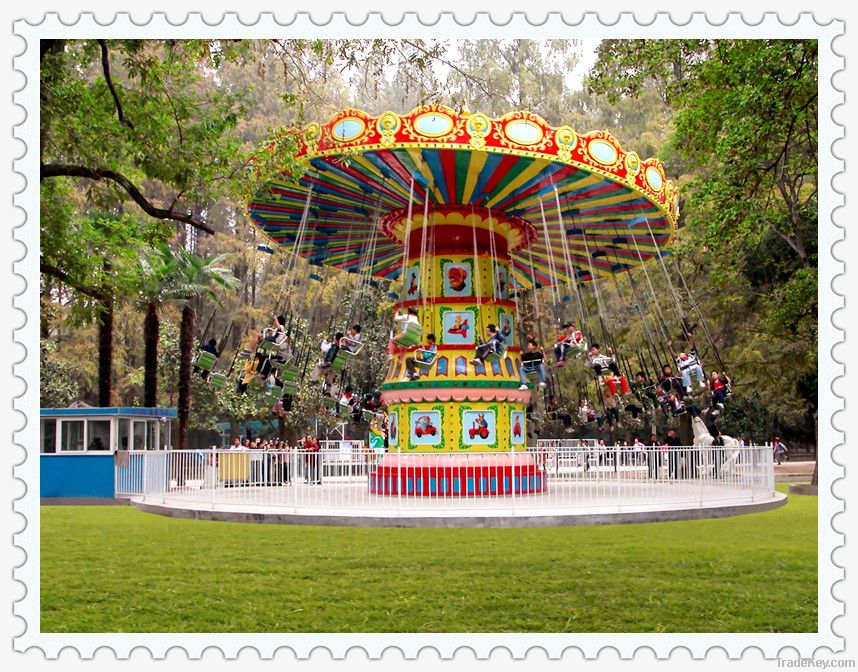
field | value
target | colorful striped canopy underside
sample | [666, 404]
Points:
[619, 226]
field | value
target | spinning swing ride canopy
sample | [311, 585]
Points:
[556, 183]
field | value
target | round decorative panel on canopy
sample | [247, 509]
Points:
[583, 192]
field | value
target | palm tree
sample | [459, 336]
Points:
[193, 279]
[158, 288]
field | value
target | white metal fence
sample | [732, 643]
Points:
[588, 478]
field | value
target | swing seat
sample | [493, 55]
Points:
[281, 361]
[339, 361]
[532, 370]
[424, 359]
[351, 347]
[267, 347]
[288, 372]
[217, 380]
[493, 355]
[290, 387]
[330, 403]
[205, 360]
[411, 336]
[272, 396]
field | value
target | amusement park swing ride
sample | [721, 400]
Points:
[462, 213]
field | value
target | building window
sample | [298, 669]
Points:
[98, 435]
[71, 439]
[139, 429]
[124, 434]
[49, 436]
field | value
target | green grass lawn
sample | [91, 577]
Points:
[115, 569]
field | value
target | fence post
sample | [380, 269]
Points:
[698, 463]
[512, 475]
[294, 459]
[165, 476]
[617, 455]
[214, 473]
[769, 461]
[143, 461]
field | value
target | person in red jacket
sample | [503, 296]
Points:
[312, 460]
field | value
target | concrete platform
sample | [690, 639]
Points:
[567, 504]
[84, 501]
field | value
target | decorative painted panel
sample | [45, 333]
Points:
[457, 278]
[479, 428]
[457, 326]
[393, 428]
[425, 428]
[412, 283]
[518, 431]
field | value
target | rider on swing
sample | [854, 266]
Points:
[600, 361]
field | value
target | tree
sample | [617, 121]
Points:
[193, 278]
[94, 256]
[125, 112]
[159, 284]
[745, 131]
[59, 381]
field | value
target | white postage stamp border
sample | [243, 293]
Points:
[338, 25]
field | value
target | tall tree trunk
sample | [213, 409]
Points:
[105, 352]
[186, 347]
[151, 335]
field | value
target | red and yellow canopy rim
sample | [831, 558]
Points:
[609, 208]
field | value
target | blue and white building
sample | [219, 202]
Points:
[79, 446]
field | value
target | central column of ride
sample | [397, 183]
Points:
[457, 275]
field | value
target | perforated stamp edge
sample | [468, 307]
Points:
[481, 25]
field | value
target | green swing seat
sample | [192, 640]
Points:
[290, 387]
[329, 402]
[580, 349]
[273, 394]
[424, 359]
[530, 372]
[499, 354]
[267, 347]
[288, 372]
[217, 380]
[205, 360]
[410, 336]
[339, 361]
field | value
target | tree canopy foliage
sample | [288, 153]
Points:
[744, 134]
